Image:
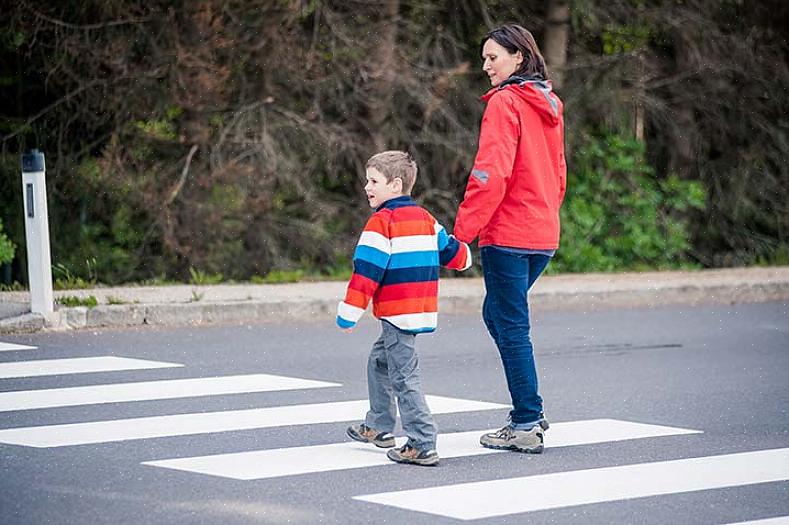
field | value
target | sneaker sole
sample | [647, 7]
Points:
[535, 450]
[421, 462]
[362, 439]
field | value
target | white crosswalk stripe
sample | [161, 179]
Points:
[12, 347]
[77, 365]
[261, 464]
[153, 390]
[780, 520]
[463, 501]
[207, 422]
[500, 497]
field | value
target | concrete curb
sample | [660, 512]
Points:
[200, 305]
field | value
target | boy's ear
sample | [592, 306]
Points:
[397, 184]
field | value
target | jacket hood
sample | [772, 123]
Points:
[535, 91]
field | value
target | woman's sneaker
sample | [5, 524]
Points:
[366, 434]
[528, 441]
[409, 454]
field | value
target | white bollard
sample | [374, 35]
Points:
[39, 261]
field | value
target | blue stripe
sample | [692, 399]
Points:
[424, 330]
[371, 271]
[413, 259]
[397, 202]
[342, 323]
[411, 275]
[448, 253]
[371, 255]
[443, 238]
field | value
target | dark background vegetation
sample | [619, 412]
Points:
[226, 139]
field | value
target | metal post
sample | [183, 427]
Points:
[39, 261]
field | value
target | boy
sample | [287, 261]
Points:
[396, 264]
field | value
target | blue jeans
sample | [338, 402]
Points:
[508, 277]
[393, 375]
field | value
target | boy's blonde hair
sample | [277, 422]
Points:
[395, 164]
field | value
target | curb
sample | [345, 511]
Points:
[318, 301]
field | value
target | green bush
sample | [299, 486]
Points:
[72, 301]
[7, 248]
[617, 215]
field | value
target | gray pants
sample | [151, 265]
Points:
[393, 373]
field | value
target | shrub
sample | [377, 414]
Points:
[7, 248]
[617, 215]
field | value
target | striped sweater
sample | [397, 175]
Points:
[396, 265]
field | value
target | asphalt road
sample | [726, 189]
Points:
[722, 372]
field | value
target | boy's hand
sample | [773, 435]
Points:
[348, 330]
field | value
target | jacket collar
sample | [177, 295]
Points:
[397, 202]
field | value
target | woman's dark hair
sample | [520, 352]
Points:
[514, 38]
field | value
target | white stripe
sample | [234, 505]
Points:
[143, 391]
[349, 312]
[438, 228]
[77, 365]
[413, 321]
[375, 240]
[189, 424]
[8, 347]
[780, 520]
[259, 464]
[486, 499]
[415, 243]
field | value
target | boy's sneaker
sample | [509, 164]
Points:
[528, 441]
[409, 454]
[366, 434]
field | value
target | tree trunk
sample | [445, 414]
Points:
[557, 33]
[382, 75]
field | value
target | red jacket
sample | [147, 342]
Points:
[519, 177]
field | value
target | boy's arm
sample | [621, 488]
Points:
[369, 265]
[452, 253]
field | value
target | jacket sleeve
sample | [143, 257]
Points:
[562, 167]
[370, 260]
[498, 144]
[452, 253]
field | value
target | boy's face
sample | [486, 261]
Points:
[378, 190]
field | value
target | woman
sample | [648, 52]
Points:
[512, 204]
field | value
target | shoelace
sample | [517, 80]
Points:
[506, 433]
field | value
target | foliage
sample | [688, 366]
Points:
[200, 277]
[278, 277]
[617, 215]
[231, 135]
[65, 279]
[73, 300]
[7, 248]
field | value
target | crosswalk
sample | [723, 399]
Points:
[487, 499]
[462, 501]
[13, 347]
[341, 456]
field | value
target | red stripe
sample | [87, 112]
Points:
[459, 260]
[394, 292]
[362, 284]
[378, 223]
[406, 306]
[357, 298]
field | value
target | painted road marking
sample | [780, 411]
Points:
[260, 464]
[779, 520]
[486, 499]
[150, 390]
[10, 347]
[77, 365]
[203, 423]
